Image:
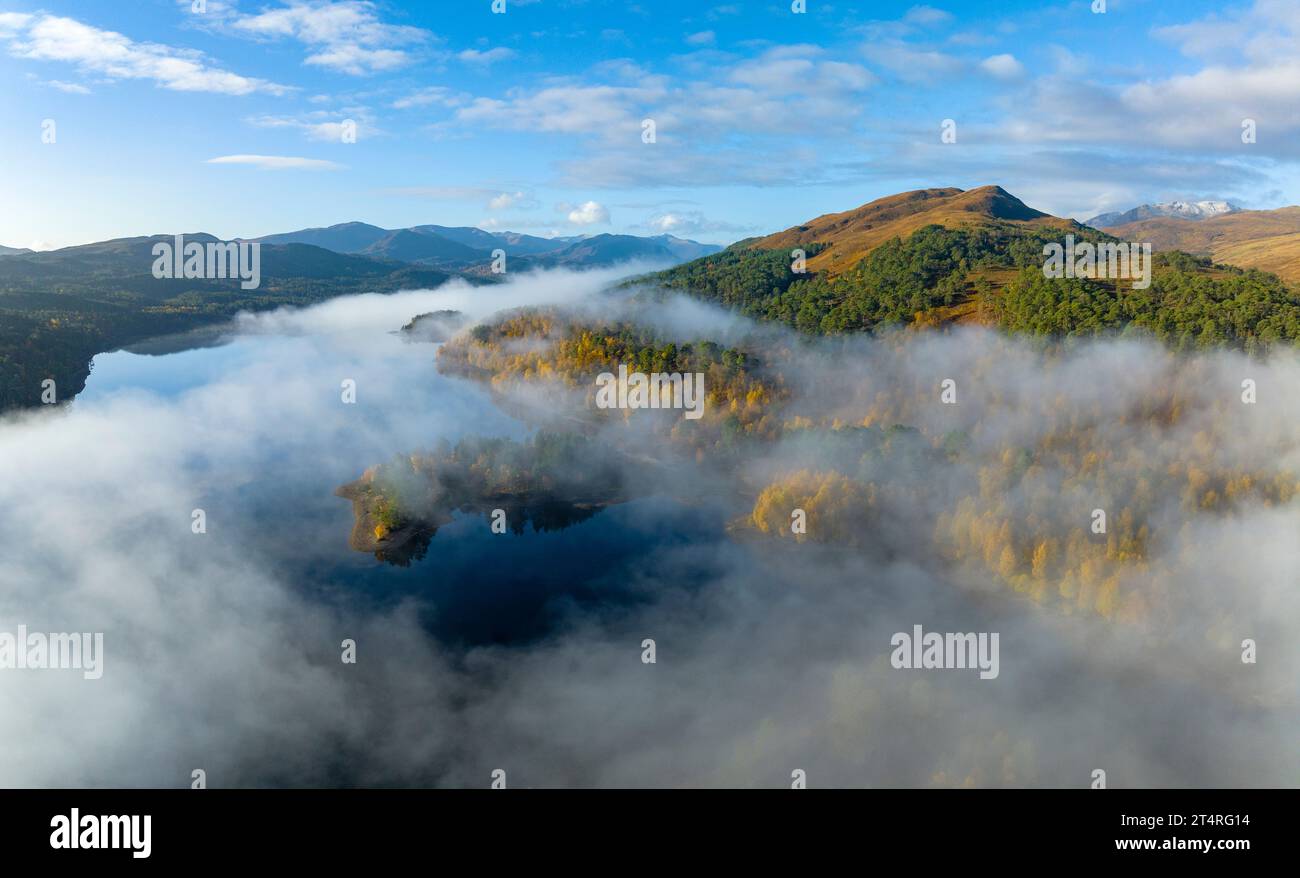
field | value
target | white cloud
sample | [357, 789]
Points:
[1254, 74]
[69, 87]
[491, 56]
[703, 38]
[1266, 32]
[690, 222]
[433, 95]
[324, 125]
[786, 71]
[1068, 63]
[346, 36]
[610, 112]
[507, 200]
[276, 162]
[758, 96]
[493, 199]
[589, 213]
[666, 222]
[54, 38]
[913, 64]
[12, 22]
[926, 16]
[1003, 66]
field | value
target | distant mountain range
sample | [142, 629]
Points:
[468, 249]
[1268, 240]
[461, 249]
[58, 308]
[1189, 210]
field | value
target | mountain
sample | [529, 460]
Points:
[936, 257]
[1268, 240]
[467, 236]
[531, 245]
[341, 238]
[1189, 210]
[609, 250]
[469, 248]
[683, 249]
[849, 236]
[407, 245]
[12, 251]
[514, 243]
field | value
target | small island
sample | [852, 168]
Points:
[434, 326]
[551, 481]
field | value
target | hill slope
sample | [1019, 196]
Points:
[341, 238]
[1265, 239]
[409, 246]
[978, 258]
[849, 236]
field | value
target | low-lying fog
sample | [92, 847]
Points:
[222, 649]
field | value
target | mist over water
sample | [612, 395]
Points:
[524, 652]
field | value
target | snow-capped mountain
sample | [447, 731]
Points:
[1193, 210]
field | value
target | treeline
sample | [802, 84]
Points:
[1025, 515]
[889, 286]
[1191, 303]
[742, 394]
[54, 321]
[1186, 306]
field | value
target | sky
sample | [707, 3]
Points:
[167, 116]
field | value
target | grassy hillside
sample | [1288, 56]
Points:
[1265, 239]
[992, 273]
[847, 237]
[898, 282]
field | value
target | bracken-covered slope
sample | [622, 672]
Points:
[1265, 239]
[851, 235]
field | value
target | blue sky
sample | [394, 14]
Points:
[230, 120]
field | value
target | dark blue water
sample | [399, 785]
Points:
[273, 496]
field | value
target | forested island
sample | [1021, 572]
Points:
[549, 481]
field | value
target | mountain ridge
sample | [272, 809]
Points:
[1189, 210]
[471, 248]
